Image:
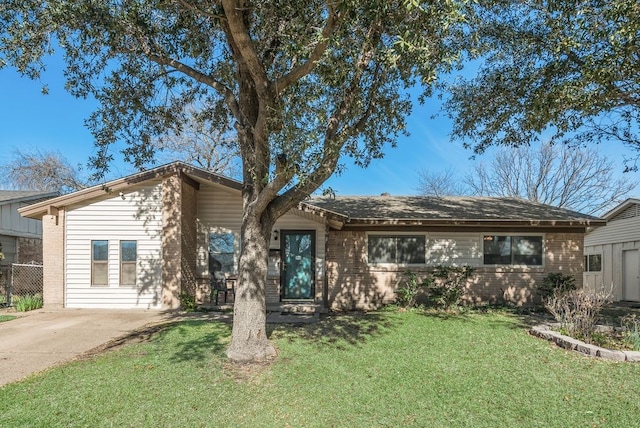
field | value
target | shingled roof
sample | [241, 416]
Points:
[448, 210]
[8, 196]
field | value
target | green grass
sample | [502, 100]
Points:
[4, 318]
[381, 369]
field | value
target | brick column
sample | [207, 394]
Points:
[53, 260]
[179, 238]
[171, 237]
[189, 237]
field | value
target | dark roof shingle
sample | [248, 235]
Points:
[444, 208]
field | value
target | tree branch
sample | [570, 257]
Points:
[305, 68]
[222, 89]
[239, 33]
[192, 7]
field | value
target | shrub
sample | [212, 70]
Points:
[631, 331]
[407, 293]
[187, 302]
[28, 302]
[556, 282]
[577, 311]
[448, 285]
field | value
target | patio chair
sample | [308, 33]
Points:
[218, 281]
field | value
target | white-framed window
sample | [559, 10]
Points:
[397, 249]
[525, 250]
[221, 252]
[128, 262]
[99, 262]
[593, 263]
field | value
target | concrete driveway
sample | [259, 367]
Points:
[41, 339]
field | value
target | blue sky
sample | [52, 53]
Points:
[30, 120]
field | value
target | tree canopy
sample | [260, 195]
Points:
[301, 83]
[565, 69]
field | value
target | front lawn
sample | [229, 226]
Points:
[386, 368]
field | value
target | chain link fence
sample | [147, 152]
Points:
[20, 281]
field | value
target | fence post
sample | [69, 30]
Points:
[5, 284]
[10, 286]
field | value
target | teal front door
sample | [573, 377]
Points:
[298, 273]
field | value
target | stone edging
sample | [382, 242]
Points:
[545, 331]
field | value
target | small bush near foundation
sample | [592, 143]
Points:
[577, 311]
[448, 285]
[631, 331]
[187, 302]
[410, 288]
[28, 302]
[556, 282]
[444, 286]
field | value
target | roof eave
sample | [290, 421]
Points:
[621, 207]
[42, 208]
[578, 223]
[30, 198]
[335, 219]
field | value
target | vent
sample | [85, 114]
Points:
[629, 212]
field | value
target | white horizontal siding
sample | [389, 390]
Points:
[454, 249]
[136, 217]
[624, 230]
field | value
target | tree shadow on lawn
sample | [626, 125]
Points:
[214, 342]
[185, 350]
[336, 329]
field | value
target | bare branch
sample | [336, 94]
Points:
[42, 170]
[575, 178]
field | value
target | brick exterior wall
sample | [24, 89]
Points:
[171, 248]
[179, 240]
[29, 250]
[53, 260]
[353, 284]
[189, 238]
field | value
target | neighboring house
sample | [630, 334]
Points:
[612, 253]
[140, 241]
[21, 237]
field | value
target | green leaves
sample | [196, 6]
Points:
[569, 69]
[316, 80]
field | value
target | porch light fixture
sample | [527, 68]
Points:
[275, 235]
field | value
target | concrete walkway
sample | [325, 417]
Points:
[41, 339]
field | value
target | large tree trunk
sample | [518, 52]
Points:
[249, 340]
